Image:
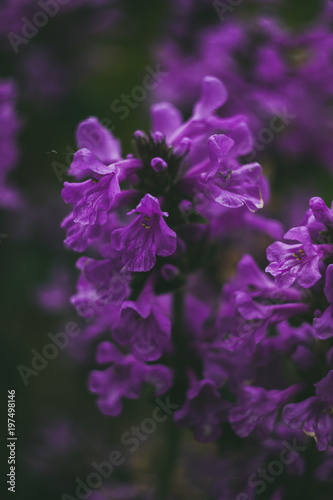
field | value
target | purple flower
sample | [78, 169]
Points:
[168, 163]
[314, 415]
[167, 119]
[321, 212]
[147, 236]
[79, 235]
[236, 187]
[250, 303]
[145, 325]
[203, 410]
[252, 280]
[283, 89]
[93, 299]
[288, 342]
[242, 323]
[94, 198]
[295, 262]
[191, 137]
[223, 220]
[221, 366]
[257, 410]
[324, 324]
[124, 378]
[98, 140]
[107, 280]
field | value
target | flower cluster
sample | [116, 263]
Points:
[306, 261]
[159, 220]
[154, 217]
[281, 79]
[197, 307]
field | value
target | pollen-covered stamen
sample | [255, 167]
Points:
[226, 175]
[299, 255]
[96, 178]
[329, 411]
[145, 220]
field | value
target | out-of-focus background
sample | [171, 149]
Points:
[77, 65]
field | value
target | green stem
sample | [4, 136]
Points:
[170, 461]
[173, 432]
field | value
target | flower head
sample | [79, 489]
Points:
[147, 236]
[257, 410]
[315, 414]
[203, 410]
[124, 378]
[295, 262]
